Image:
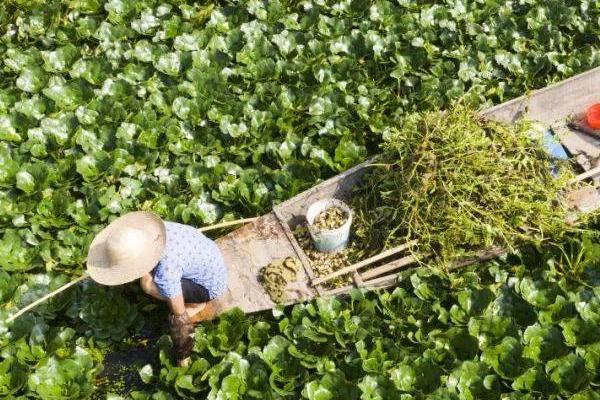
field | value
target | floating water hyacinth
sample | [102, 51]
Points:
[362, 65]
[169, 63]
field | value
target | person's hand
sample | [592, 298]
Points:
[181, 329]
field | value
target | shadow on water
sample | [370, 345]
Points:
[122, 362]
[120, 375]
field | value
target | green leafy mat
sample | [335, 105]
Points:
[201, 111]
[525, 327]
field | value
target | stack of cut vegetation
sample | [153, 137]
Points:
[460, 184]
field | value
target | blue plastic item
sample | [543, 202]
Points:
[553, 146]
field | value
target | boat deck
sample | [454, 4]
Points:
[249, 248]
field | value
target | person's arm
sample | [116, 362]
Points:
[181, 328]
[176, 304]
[167, 278]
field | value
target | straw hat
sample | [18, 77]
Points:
[128, 248]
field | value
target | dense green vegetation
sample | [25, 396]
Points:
[202, 111]
[525, 327]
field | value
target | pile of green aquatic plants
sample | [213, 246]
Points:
[202, 111]
[524, 327]
[459, 184]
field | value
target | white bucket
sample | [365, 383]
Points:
[331, 240]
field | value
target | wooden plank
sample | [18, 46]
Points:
[583, 200]
[394, 265]
[582, 147]
[382, 282]
[364, 263]
[357, 279]
[304, 260]
[292, 211]
[338, 291]
[484, 255]
[379, 283]
[246, 251]
[592, 172]
[552, 103]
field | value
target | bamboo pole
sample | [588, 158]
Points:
[46, 297]
[482, 255]
[85, 276]
[226, 224]
[363, 263]
[402, 262]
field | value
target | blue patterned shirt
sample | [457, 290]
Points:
[191, 255]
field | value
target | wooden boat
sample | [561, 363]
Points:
[249, 248]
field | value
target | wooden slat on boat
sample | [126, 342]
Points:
[270, 237]
[366, 262]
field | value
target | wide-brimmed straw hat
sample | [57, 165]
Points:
[128, 248]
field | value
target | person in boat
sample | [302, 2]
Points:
[174, 263]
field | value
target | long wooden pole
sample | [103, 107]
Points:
[363, 263]
[46, 297]
[226, 224]
[402, 262]
[85, 276]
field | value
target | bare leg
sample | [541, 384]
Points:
[194, 308]
[202, 311]
[150, 288]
